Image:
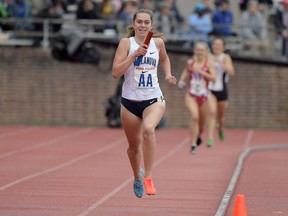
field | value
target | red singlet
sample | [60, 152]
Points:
[198, 85]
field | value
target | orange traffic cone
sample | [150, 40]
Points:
[240, 206]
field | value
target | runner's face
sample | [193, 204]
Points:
[200, 51]
[218, 47]
[142, 24]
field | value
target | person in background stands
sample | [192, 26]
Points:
[127, 11]
[88, 9]
[223, 19]
[281, 25]
[21, 9]
[175, 11]
[200, 24]
[208, 7]
[164, 20]
[252, 23]
[146, 4]
[253, 30]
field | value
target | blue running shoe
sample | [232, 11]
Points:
[138, 185]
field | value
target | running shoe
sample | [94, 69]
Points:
[199, 141]
[149, 187]
[210, 142]
[193, 148]
[138, 185]
[221, 135]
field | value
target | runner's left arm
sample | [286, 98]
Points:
[165, 62]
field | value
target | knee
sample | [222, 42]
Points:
[195, 118]
[133, 149]
[148, 131]
[212, 113]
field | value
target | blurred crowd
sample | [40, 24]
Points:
[208, 17]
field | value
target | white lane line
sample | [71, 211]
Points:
[46, 143]
[128, 181]
[234, 178]
[68, 163]
[18, 132]
[248, 138]
[230, 189]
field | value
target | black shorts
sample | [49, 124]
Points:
[221, 95]
[137, 108]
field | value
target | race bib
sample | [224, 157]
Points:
[145, 77]
[198, 85]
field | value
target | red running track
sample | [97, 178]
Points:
[85, 171]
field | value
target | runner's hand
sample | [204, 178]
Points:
[171, 80]
[141, 51]
[181, 84]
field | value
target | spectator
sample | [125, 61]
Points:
[223, 19]
[127, 11]
[107, 10]
[243, 4]
[200, 24]
[281, 25]
[174, 10]
[253, 31]
[117, 5]
[209, 6]
[50, 10]
[88, 9]
[38, 5]
[253, 23]
[21, 9]
[164, 20]
[3, 11]
[217, 3]
[146, 4]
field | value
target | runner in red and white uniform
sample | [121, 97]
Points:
[198, 71]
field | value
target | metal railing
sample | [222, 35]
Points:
[113, 30]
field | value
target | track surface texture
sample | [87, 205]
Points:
[79, 171]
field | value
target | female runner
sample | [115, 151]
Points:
[142, 103]
[219, 100]
[199, 71]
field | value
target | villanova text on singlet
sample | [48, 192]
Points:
[141, 82]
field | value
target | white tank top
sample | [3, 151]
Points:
[141, 82]
[218, 85]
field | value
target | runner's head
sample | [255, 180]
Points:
[142, 23]
[218, 46]
[201, 51]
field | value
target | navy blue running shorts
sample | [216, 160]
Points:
[138, 107]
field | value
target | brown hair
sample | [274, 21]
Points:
[131, 31]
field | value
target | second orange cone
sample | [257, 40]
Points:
[240, 206]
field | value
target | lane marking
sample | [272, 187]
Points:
[230, 189]
[128, 181]
[46, 143]
[19, 132]
[68, 163]
[248, 138]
